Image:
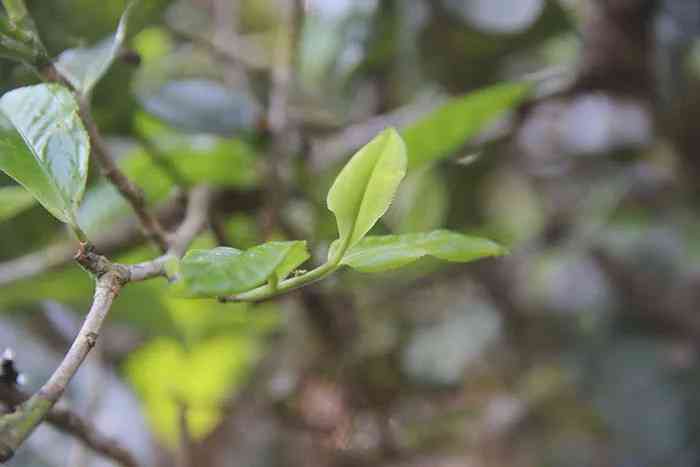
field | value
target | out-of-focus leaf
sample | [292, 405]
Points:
[44, 146]
[199, 159]
[450, 126]
[167, 375]
[13, 200]
[196, 320]
[365, 187]
[84, 67]
[201, 105]
[226, 271]
[421, 203]
[20, 37]
[152, 43]
[383, 253]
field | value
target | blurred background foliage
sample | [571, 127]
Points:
[565, 129]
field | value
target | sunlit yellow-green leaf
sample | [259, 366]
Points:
[168, 376]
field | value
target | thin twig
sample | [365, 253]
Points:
[118, 236]
[278, 118]
[15, 428]
[196, 218]
[134, 196]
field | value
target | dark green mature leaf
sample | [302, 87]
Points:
[444, 130]
[84, 67]
[227, 271]
[365, 187]
[44, 146]
[200, 105]
[383, 253]
[13, 200]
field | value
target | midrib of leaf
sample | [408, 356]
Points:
[38, 160]
[346, 242]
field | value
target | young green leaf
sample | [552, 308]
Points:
[365, 187]
[84, 67]
[225, 271]
[44, 146]
[383, 253]
[13, 200]
[296, 256]
[444, 130]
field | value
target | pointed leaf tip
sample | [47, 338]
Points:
[365, 187]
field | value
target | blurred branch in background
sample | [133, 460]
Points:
[73, 425]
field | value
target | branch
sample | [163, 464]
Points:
[196, 218]
[125, 233]
[16, 427]
[71, 424]
[134, 196]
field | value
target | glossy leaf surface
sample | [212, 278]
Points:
[44, 146]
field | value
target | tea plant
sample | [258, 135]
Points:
[48, 135]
